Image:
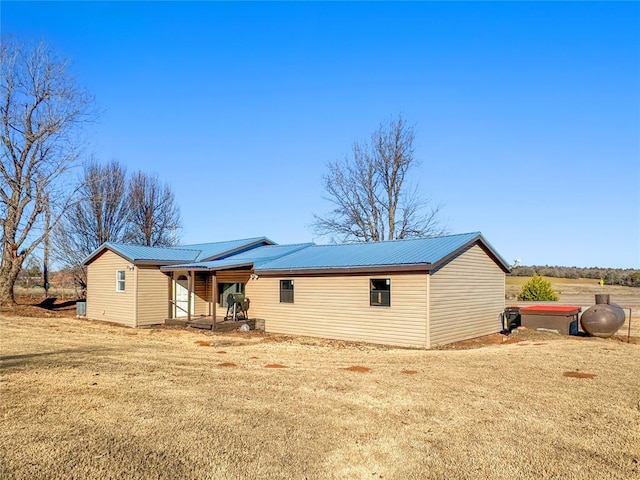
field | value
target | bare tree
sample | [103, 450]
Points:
[99, 214]
[41, 111]
[154, 217]
[372, 198]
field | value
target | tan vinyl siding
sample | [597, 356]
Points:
[233, 276]
[103, 301]
[201, 294]
[338, 307]
[466, 298]
[152, 295]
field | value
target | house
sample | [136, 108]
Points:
[416, 292]
[125, 284]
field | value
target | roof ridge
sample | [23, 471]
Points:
[228, 241]
[179, 247]
[289, 244]
[399, 240]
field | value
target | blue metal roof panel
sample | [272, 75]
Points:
[214, 250]
[397, 252]
[137, 253]
[182, 253]
[254, 257]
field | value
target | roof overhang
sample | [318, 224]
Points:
[482, 243]
[240, 249]
[105, 247]
[353, 270]
[204, 268]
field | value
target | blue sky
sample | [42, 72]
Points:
[527, 115]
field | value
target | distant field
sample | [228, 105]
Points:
[579, 291]
[574, 281]
[37, 292]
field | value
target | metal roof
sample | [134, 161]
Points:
[427, 252]
[215, 250]
[139, 253]
[179, 254]
[257, 253]
[254, 258]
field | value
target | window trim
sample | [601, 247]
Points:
[122, 281]
[380, 293]
[286, 291]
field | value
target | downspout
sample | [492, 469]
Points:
[207, 280]
[504, 291]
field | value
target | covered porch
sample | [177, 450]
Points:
[198, 297]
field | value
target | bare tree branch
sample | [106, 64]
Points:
[370, 193]
[99, 215]
[154, 216]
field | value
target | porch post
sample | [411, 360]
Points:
[207, 280]
[214, 298]
[189, 289]
[170, 295]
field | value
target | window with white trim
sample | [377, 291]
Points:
[120, 275]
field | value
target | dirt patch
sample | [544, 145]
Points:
[358, 368]
[202, 343]
[221, 352]
[275, 365]
[494, 339]
[578, 375]
[409, 372]
[623, 338]
[227, 364]
[322, 342]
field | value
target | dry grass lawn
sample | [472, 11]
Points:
[88, 400]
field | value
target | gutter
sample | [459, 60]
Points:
[354, 270]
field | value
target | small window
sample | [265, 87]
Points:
[120, 281]
[224, 289]
[380, 292]
[286, 291]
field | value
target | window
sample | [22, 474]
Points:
[224, 289]
[286, 291]
[120, 281]
[380, 292]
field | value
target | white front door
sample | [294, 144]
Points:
[181, 291]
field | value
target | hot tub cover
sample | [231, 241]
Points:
[559, 310]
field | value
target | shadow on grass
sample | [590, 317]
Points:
[8, 361]
[50, 304]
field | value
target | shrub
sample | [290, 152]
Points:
[537, 289]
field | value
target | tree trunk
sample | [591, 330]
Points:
[9, 271]
[45, 262]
